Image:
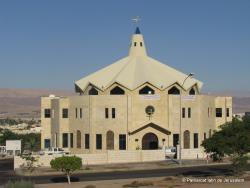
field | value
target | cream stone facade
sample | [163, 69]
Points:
[135, 103]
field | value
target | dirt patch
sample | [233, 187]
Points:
[139, 184]
[90, 186]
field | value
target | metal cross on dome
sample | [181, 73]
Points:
[136, 20]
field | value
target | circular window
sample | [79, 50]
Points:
[149, 110]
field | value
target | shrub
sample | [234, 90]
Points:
[19, 184]
[66, 164]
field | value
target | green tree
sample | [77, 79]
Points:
[233, 140]
[66, 164]
[30, 141]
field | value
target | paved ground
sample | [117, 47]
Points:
[116, 167]
[6, 169]
[156, 182]
[197, 171]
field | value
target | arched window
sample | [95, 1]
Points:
[186, 136]
[146, 91]
[78, 139]
[117, 91]
[174, 91]
[110, 140]
[192, 91]
[93, 91]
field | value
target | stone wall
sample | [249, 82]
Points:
[102, 158]
[197, 153]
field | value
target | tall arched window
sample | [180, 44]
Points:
[146, 91]
[192, 91]
[110, 140]
[78, 139]
[186, 136]
[93, 91]
[174, 91]
[117, 91]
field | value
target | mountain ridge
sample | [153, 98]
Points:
[27, 101]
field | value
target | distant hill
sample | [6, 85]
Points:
[26, 102]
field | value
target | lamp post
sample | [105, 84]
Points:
[180, 135]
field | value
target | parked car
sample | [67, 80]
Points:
[170, 152]
[53, 151]
[26, 153]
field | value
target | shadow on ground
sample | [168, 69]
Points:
[64, 179]
[210, 172]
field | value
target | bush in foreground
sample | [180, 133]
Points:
[232, 140]
[19, 184]
[66, 164]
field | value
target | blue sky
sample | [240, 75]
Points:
[49, 44]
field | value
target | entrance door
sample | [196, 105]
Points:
[149, 141]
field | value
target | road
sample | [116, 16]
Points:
[203, 171]
[6, 169]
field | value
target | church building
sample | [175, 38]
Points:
[136, 103]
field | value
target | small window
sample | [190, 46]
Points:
[192, 91]
[71, 140]
[205, 136]
[113, 113]
[81, 113]
[65, 140]
[98, 141]
[47, 113]
[65, 113]
[117, 91]
[76, 111]
[183, 112]
[218, 112]
[122, 142]
[134, 43]
[196, 141]
[86, 141]
[210, 133]
[174, 91]
[228, 114]
[208, 112]
[189, 112]
[146, 91]
[93, 91]
[140, 43]
[106, 113]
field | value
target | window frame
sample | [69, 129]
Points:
[183, 112]
[86, 141]
[113, 113]
[65, 143]
[71, 140]
[106, 113]
[80, 113]
[65, 113]
[227, 112]
[47, 113]
[189, 112]
[196, 140]
[218, 112]
[98, 141]
[122, 142]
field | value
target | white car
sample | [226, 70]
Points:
[170, 152]
[54, 151]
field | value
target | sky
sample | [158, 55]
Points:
[50, 44]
